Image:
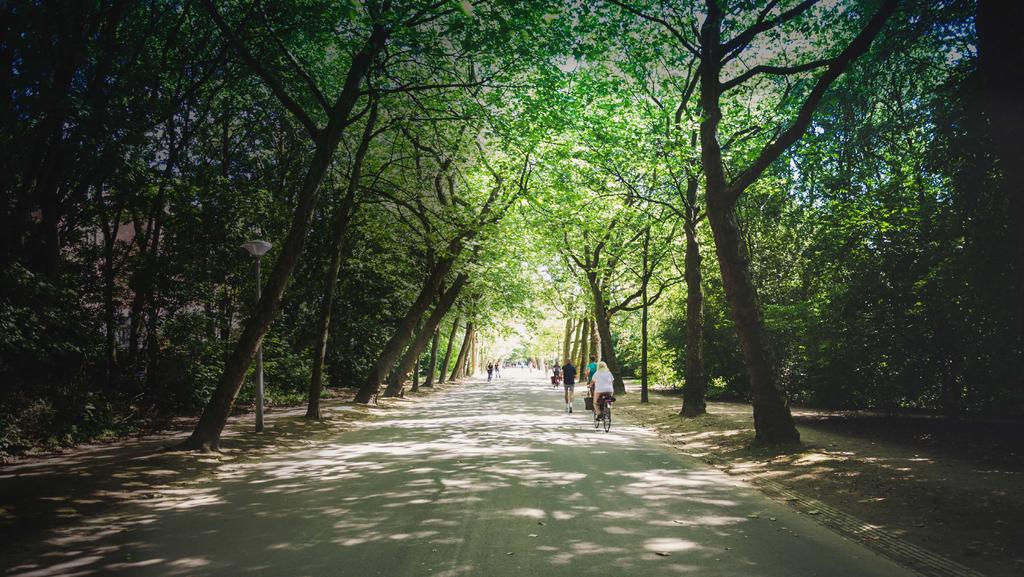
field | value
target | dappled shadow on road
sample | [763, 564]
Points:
[445, 484]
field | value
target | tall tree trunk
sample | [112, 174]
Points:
[448, 349]
[109, 312]
[148, 237]
[474, 365]
[575, 354]
[644, 383]
[458, 371]
[432, 367]
[585, 348]
[1001, 63]
[595, 341]
[567, 340]
[415, 349]
[404, 333]
[416, 374]
[772, 419]
[152, 339]
[604, 327]
[695, 387]
[206, 435]
[645, 305]
[340, 231]
[467, 370]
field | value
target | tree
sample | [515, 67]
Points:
[773, 421]
[206, 435]
[339, 232]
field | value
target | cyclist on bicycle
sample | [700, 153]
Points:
[602, 386]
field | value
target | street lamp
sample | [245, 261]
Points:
[258, 248]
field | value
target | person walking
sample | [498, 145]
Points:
[569, 383]
[490, 371]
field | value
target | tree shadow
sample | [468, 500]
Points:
[444, 487]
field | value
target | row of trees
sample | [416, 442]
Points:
[374, 145]
[783, 199]
[849, 184]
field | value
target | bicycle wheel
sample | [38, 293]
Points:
[607, 417]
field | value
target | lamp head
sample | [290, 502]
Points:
[257, 247]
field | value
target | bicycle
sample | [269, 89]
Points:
[604, 417]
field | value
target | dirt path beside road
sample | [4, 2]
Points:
[954, 488]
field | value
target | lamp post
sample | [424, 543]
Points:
[258, 248]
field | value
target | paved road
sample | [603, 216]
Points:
[455, 486]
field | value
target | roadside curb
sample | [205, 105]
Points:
[919, 559]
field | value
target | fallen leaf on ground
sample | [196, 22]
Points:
[663, 553]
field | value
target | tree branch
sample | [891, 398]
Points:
[839, 64]
[777, 70]
[299, 69]
[761, 25]
[664, 23]
[272, 81]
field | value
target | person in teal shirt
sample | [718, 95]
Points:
[591, 368]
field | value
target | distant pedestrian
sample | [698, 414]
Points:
[490, 371]
[497, 370]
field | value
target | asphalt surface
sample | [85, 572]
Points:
[481, 479]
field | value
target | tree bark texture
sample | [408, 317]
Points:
[396, 378]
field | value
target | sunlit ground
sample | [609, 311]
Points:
[959, 507]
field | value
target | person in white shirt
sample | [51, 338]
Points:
[602, 382]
